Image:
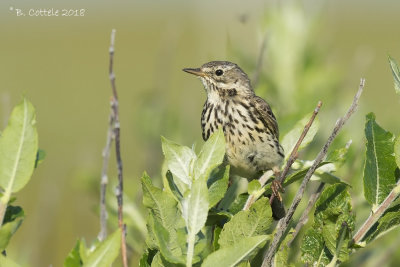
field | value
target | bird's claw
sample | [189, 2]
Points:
[276, 188]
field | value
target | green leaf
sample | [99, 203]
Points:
[202, 246]
[331, 237]
[396, 74]
[7, 230]
[397, 151]
[211, 155]
[338, 156]
[327, 178]
[238, 204]
[168, 246]
[12, 220]
[143, 260]
[247, 223]
[389, 221]
[253, 186]
[161, 203]
[295, 176]
[195, 206]
[217, 232]
[40, 156]
[106, 252]
[328, 238]
[163, 209]
[13, 213]
[159, 261]
[235, 253]
[244, 264]
[172, 186]
[290, 139]
[195, 211]
[74, 259]
[216, 217]
[380, 165]
[219, 184]
[18, 148]
[179, 159]
[334, 201]
[313, 249]
[238, 186]
[7, 262]
[343, 237]
[83, 251]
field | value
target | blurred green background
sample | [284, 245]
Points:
[315, 50]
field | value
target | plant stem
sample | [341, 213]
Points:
[115, 114]
[375, 215]
[189, 257]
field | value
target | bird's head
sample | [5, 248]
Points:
[223, 77]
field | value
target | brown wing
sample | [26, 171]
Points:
[266, 115]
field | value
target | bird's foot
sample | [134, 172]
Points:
[276, 186]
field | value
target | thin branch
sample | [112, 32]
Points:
[260, 59]
[293, 155]
[119, 189]
[284, 223]
[304, 216]
[311, 202]
[104, 179]
[375, 215]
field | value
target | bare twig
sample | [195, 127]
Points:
[293, 155]
[376, 214]
[115, 113]
[304, 216]
[284, 223]
[260, 60]
[104, 179]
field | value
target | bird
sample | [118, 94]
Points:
[250, 127]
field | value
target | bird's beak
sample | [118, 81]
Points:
[197, 72]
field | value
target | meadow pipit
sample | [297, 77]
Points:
[250, 128]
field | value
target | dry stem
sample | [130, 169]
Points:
[284, 223]
[115, 114]
[104, 179]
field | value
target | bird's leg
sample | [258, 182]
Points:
[276, 185]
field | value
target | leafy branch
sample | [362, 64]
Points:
[284, 223]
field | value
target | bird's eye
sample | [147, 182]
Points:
[219, 72]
